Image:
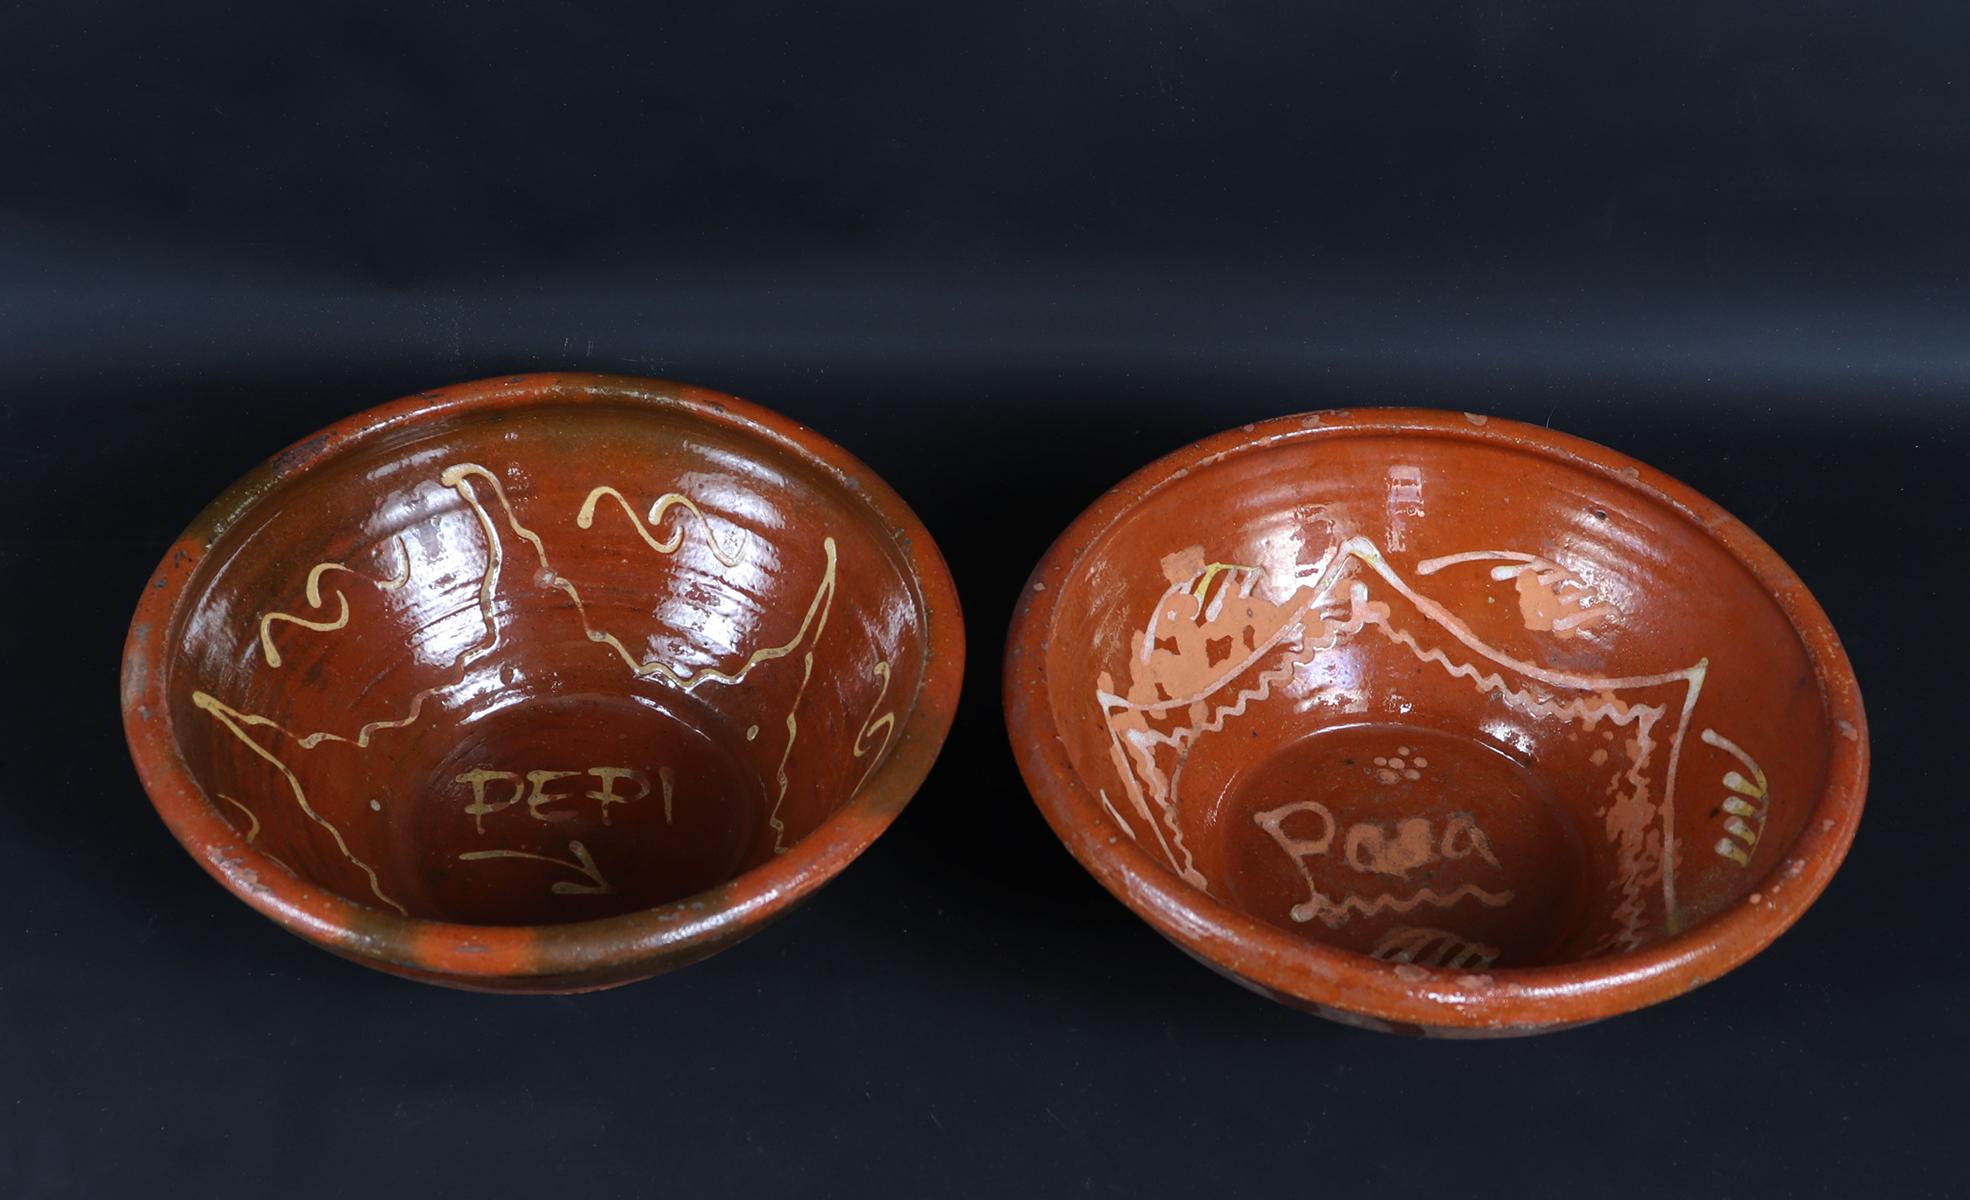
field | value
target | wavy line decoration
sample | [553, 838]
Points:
[1336, 912]
[459, 478]
[672, 511]
[1187, 674]
[658, 512]
[312, 591]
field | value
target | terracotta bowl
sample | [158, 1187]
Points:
[1434, 723]
[543, 683]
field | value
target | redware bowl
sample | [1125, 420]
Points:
[1436, 724]
[542, 683]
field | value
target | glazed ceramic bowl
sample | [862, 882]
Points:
[543, 683]
[1434, 723]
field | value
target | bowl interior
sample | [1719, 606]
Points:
[1436, 700]
[539, 664]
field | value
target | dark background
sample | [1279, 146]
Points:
[1006, 254]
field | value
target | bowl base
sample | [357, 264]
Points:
[1405, 843]
[575, 806]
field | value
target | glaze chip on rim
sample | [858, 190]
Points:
[542, 683]
[1435, 723]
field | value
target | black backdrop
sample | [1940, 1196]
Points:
[1006, 254]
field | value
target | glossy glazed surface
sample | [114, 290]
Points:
[1433, 722]
[542, 683]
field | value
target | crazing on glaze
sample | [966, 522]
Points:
[1224, 635]
[534, 788]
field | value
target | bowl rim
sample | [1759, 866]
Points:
[576, 955]
[1406, 997]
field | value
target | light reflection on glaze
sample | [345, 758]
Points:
[460, 478]
[1282, 609]
[313, 593]
[685, 678]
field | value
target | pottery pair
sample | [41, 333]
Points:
[1422, 721]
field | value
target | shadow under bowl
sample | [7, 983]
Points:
[542, 683]
[1436, 723]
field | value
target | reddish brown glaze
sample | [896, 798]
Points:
[542, 683]
[1435, 723]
